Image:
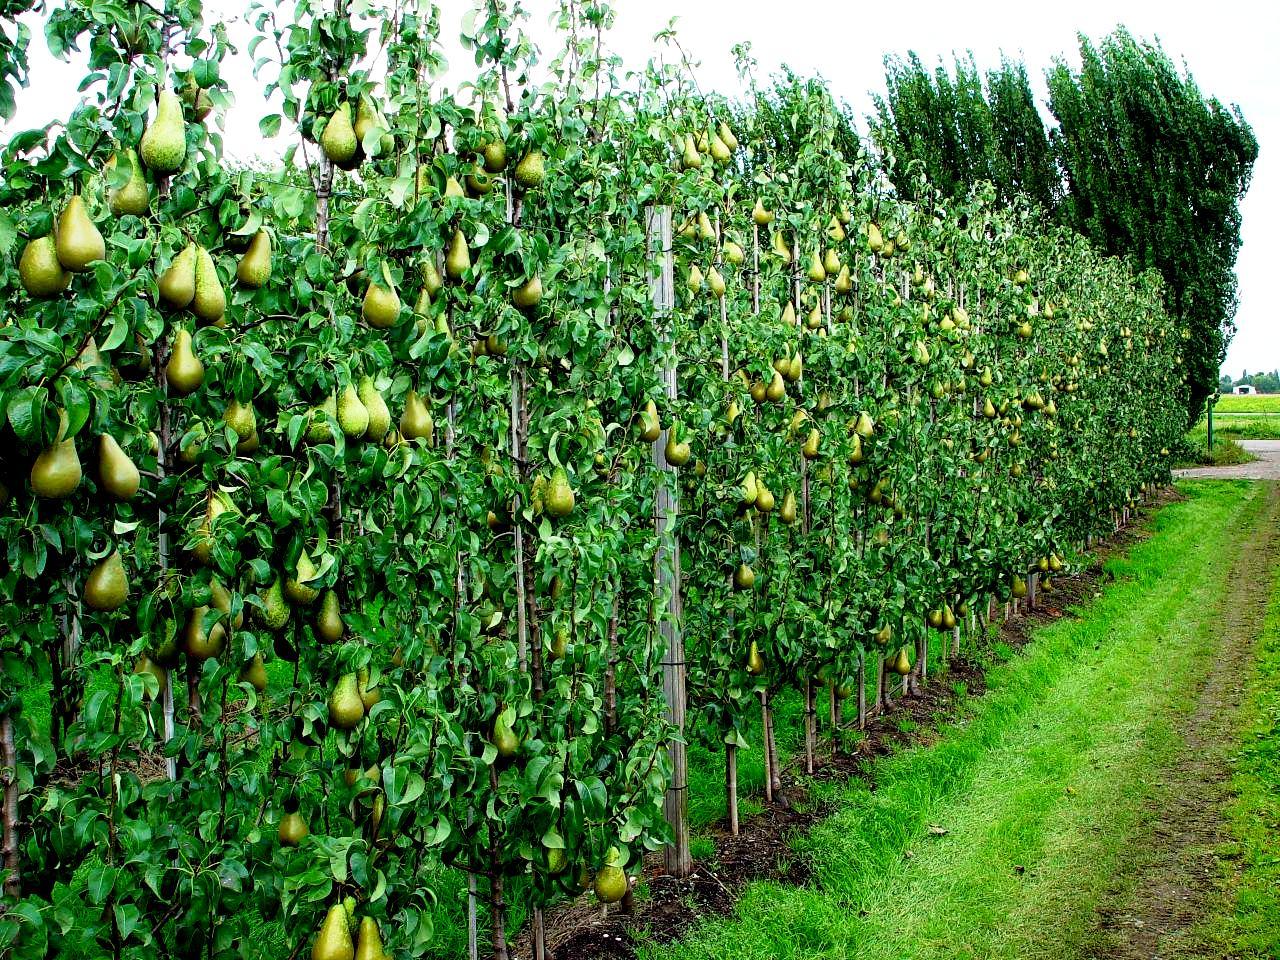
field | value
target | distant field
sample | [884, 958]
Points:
[1266, 403]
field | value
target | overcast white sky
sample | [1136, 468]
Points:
[1233, 51]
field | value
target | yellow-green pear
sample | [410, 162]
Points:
[210, 300]
[452, 188]
[690, 159]
[760, 215]
[241, 418]
[202, 644]
[38, 268]
[346, 709]
[755, 662]
[381, 306]
[329, 624]
[787, 512]
[134, 196]
[650, 426]
[292, 830]
[495, 156]
[379, 415]
[831, 261]
[676, 453]
[370, 944]
[715, 282]
[531, 170]
[816, 272]
[744, 578]
[56, 472]
[416, 422]
[78, 241]
[611, 883]
[504, 738]
[720, 151]
[353, 418]
[457, 261]
[177, 284]
[298, 588]
[254, 673]
[558, 498]
[529, 294]
[338, 141]
[116, 472]
[334, 940]
[726, 136]
[777, 388]
[164, 142]
[107, 587]
[184, 372]
[432, 282]
[733, 253]
[254, 268]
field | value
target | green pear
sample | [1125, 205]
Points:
[197, 98]
[381, 307]
[146, 665]
[452, 188]
[457, 260]
[184, 372]
[353, 417]
[78, 241]
[254, 269]
[370, 945]
[107, 586]
[432, 282]
[529, 294]
[755, 661]
[760, 216]
[298, 587]
[744, 578]
[274, 612]
[116, 472]
[650, 425]
[318, 429]
[369, 695]
[504, 738]
[241, 418]
[334, 940]
[178, 283]
[787, 512]
[611, 883]
[676, 453]
[291, 830]
[346, 709]
[369, 118]
[210, 300]
[201, 644]
[558, 497]
[379, 415]
[495, 156]
[56, 472]
[38, 268]
[480, 184]
[164, 142]
[329, 625]
[531, 170]
[416, 422]
[338, 141]
[690, 159]
[134, 197]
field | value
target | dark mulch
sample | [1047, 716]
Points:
[583, 930]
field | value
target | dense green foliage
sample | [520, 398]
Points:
[395, 421]
[1140, 162]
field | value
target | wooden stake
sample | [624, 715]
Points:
[731, 785]
[810, 726]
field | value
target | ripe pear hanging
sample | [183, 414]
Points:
[164, 142]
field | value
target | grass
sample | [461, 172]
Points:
[1226, 451]
[1039, 788]
[1247, 924]
[1258, 403]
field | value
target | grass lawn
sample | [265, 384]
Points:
[1259, 403]
[1034, 795]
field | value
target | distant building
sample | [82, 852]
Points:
[1243, 390]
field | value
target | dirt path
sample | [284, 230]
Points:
[1177, 873]
[1265, 467]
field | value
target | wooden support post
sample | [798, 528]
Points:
[679, 863]
[810, 726]
[764, 739]
[731, 785]
[862, 690]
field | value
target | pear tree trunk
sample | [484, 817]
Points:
[731, 785]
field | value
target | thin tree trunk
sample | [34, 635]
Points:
[862, 690]
[764, 738]
[731, 785]
[9, 757]
[810, 727]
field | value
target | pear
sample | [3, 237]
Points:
[495, 156]
[1018, 588]
[329, 625]
[370, 945]
[755, 662]
[240, 417]
[452, 188]
[558, 498]
[254, 673]
[254, 269]
[146, 665]
[432, 282]
[416, 422]
[760, 215]
[864, 427]
[184, 372]
[789, 315]
[298, 587]
[346, 709]
[777, 388]
[650, 426]
[338, 141]
[504, 738]
[222, 601]
[334, 940]
[677, 454]
[106, 588]
[531, 170]
[529, 294]
[726, 136]
[274, 612]
[695, 280]
[787, 513]
[611, 883]
[457, 261]
[733, 253]
[765, 500]
[750, 490]
[164, 142]
[716, 282]
[379, 415]
[902, 664]
[318, 429]
[56, 472]
[816, 272]
[875, 239]
[369, 695]
[744, 578]
[353, 417]
[78, 241]
[810, 448]
[41, 273]
[196, 98]
[720, 151]
[132, 198]
[381, 307]
[210, 300]
[178, 283]
[200, 644]
[780, 248]
[690, 159]
[291, 830]
[831, 262]
[117, 474]
[369, 118]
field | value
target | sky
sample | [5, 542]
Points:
[1233, 56]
